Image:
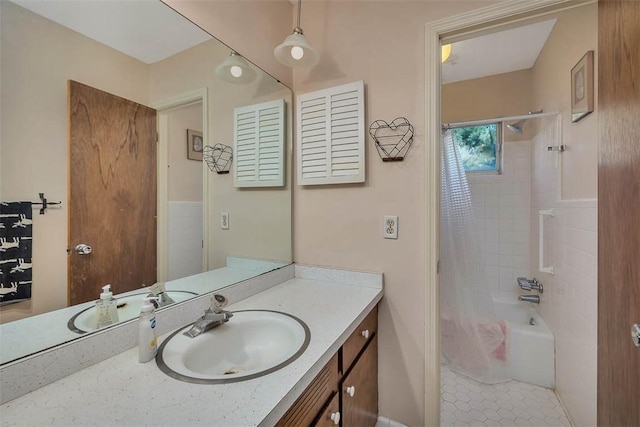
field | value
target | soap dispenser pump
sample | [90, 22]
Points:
[147, 338]
[106, 308]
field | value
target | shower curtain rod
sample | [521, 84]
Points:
[446, 126]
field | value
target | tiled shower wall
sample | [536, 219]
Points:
[506, 208]
[501, 205]
[569, 301]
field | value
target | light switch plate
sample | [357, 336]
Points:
[390, 230]
[224, 220]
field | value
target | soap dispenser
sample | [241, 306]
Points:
[147, 338]
[106, 308]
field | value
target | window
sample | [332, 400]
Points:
[479, 147]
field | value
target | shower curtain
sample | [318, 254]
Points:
[473, 340]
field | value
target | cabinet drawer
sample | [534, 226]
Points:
[356, 342]
[330, 417]
[306, 408]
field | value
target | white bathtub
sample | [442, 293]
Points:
[531, 352]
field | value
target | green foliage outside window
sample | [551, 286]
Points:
[478, 146]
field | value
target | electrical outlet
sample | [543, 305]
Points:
[224, 220]
[390, 227]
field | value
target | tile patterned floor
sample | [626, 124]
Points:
[465, 402]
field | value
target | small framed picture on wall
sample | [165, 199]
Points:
[195, 145]
[582, 87]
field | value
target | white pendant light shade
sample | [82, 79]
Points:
[235, 69]
[295, 51]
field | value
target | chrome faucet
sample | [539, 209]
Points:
[158, 290]
[162, 299]
[527, 285]
[213, 317]
[530, 298]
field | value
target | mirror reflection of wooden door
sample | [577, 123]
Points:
[112, 193]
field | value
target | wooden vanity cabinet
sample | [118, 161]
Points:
[345, 392]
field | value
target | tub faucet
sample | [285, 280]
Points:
[213, 317]
[527, 285]
[530, 298]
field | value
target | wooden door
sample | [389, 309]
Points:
[361, 409]
[618, 212]
[112, 193]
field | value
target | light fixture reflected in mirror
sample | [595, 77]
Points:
[446, 52]
[235, 69]
[295, 50]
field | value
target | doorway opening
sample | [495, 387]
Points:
[451, 30]
[182, 186]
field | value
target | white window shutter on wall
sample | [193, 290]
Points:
[330, 135]
[258, 145]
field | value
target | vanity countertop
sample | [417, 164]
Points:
[121, 391]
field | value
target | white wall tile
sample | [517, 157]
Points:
[501, 206]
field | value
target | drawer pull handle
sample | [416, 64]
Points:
[351, 390]
[335, 417]
[365, 334]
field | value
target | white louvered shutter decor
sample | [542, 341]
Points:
[258, 145]
[330, 135]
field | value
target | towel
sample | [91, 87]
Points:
[15, 251]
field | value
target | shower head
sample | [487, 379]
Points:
[517, 126]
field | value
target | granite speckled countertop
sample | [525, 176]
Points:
[121, 391]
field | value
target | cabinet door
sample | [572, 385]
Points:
[360, 390]
[307, 407]
[331, 415]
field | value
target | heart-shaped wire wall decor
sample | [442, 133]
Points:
[392, 140]
[218, 157]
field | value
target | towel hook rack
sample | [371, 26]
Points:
[45, 203]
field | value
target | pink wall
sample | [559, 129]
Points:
[184, 175]
[252, 27]
[381, 43]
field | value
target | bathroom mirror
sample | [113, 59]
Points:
[39, 56]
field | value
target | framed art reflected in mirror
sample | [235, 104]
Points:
[582, 87]
[194, 145]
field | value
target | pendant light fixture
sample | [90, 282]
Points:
[235, 69]
[295, 50]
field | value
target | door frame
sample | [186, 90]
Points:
[164, 107]
[452, 29]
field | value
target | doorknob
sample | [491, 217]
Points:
[83, 249]
[635, 334]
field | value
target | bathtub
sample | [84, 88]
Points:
[530, 351]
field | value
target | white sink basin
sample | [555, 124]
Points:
[128, 308]
[251, 344]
